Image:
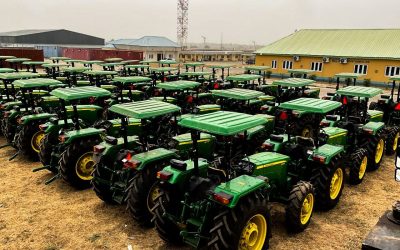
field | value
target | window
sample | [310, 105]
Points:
[150, 56]
[361, 69]
[273, 64]
[392, 71]
[170, 56]
[316, 66]
[287, 64]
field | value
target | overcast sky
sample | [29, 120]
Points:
[239, 21]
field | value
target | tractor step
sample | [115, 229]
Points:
[40, 168]
[13, 157]
[57, 176]
[6, 145]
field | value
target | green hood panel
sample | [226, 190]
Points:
[265, 159]
[239, 187]
[329, 151]
[374, 126]
[85, 132]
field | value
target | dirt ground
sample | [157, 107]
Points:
[35, 216]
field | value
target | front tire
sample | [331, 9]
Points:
[28, 140]
[392, 140]
[76, 162]
[301, 206]
[103, 191]
[246, 226]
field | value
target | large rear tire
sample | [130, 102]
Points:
[301, 206]
[376, 149]
[392, 140]
[142, 195]
[76, 163]
[358, 167]
[9, 130]
[166, 203]
[28, 140]
[328, 181]
[246, 226]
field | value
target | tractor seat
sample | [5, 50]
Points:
[385, 96]
[305, 141]
[200, 187]
[355, 119]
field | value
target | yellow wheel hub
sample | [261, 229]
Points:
[254, 233]
[85, 166]
[363, 167]
[307, 208]
[336, 183]
[36, 140]
[306, 132]
[379, 150]
[153, 194]
[396, 141]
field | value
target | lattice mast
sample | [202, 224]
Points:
[182, 21]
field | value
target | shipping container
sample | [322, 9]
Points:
[101, 54]
[50, 50]
[31, 53]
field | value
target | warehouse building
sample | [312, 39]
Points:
[153, 47]
[374, 53]
[51, 41]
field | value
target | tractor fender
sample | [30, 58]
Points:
[181, 176]
[275, 146]
[147, 159]
[26, 119]
[73, 135]
[238, 188]
[9, 105]
[328, 151]
[51, 127]
[374, 127]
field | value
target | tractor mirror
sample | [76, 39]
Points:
[331, 117]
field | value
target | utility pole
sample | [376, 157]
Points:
[204, 41]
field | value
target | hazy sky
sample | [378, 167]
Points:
[240, 21]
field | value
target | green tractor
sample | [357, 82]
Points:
[16, 63]
[198, 76]
[246, 81]
[75, 77]
[218, 82]
[241, 100]
[258, 70]
[132, 88]
[8, 91]
[3, 59]
[366, 136]
[33, 65]
[193, 66]
[290, 89]
[68, 140]
[138, 70]
[347, 79]
[223, 203]
[183, 93]
[111, 66]
[54, 70]
[33, 100]
[164, 74]
[90, 63]
[131, 162]
[99, 78]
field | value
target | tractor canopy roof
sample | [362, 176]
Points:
[243, 77]
[74, 61]
[197, 73]
[193, 64]
[33, 63]
[137, 66]
[178, 85]
[18, 75]
[223, 123]
[300, 71]
[348, 75]
[163, 69]
[6, 57]
[219, 66]
[125, 62]
[59, 58]
[53, 65]
[76, 69]
[313, 105]
[148, 61]
[6, 70]
[36, 82]
[80, 93]
[359, 91]
[16, 60]
[113, 59]
[293, 82]
[145, 109]
[92, 62]
[237, 93]
[257, 68]
[395, 78]
[110, 64]
[100, 72]
[167, 62]
[131, 79]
